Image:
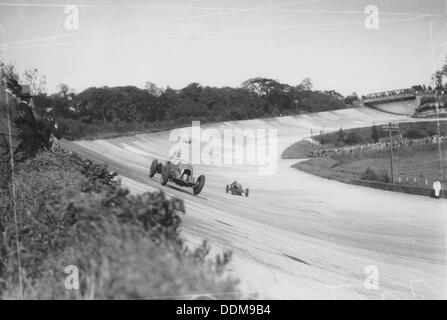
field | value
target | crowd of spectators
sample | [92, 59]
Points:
[369, 148]
[417, 89]
[389, 94]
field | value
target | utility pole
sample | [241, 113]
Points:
[391, 154]
[312, 140]
[390, 128]
[438, 94]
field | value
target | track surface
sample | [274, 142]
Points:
[297, 235]
[399, 108]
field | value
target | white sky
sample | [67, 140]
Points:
[220, 43]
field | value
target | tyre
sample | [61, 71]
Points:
[153, 168]
[227, 189]
[165, 175]
[200, 182]
[246, 192]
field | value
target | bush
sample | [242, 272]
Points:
[369, 175]
[384, 177]
[375, 135]
[354, 138]
[415, 133]
[427, 99]
[71, 211]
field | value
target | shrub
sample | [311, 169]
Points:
[71, 211]
[369, 175]
[375, 136]
[415, 133]
[383, 176]
[354, 138]
[427, 99]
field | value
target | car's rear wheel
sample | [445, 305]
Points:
[246, 192]
[153, 168]
[198, 186]
[227, 189]
[165, 175]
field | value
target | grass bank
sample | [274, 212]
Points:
[418, 166]
[72, 212]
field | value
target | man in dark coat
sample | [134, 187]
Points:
[19, 130]
[10, 116]
[49, 130]
[28, 125]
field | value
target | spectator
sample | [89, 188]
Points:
[436, 189]
[21, 134]
[12, 119]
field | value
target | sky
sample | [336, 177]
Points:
[223, 43]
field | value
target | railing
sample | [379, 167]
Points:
[389, 97]
[399, 188]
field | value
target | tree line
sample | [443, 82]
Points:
[128, 108]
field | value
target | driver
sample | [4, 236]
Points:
[177, 161]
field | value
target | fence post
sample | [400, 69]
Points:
[391, 154]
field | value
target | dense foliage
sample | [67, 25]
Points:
[127, 109]
[71, 211]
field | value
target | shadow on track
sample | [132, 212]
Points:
[184, 191]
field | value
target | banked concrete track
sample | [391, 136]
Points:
[297, 235]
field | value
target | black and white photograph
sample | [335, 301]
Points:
[223, 154]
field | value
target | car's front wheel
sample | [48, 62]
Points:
[198, 186]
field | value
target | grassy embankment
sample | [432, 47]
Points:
[70, 212]
[416, 165]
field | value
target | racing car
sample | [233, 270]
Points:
[236, 188]
[181, 174]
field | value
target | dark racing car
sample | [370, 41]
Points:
[236, 188]
[181, 174]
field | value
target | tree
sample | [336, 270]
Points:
[351, 99]
[191, 91]
[375, 134]
[167, 103]
[439, 79]
[307, 84]
[334, 94]
[36, 81]
[260, 86]
[152, 89]
[8, 71]
[268, 89]
[65, 91]
[353, 138]
[340, 135]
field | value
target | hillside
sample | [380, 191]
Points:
[72, 212]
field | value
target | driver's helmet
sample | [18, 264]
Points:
[187, 140]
